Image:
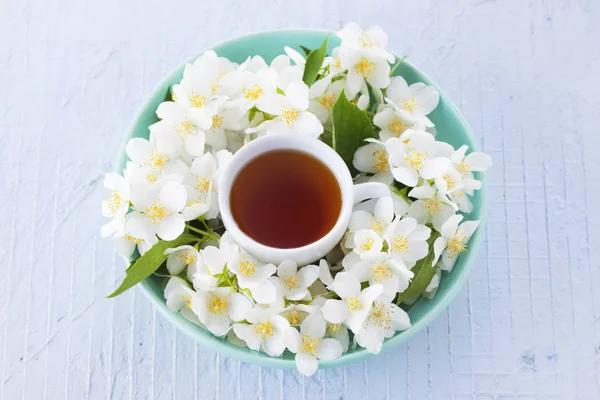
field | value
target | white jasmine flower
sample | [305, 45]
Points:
[475, 161]
[125, 245]
[296, 282]
[218, 308]
[407, 240]
[202, 185]
[323, 96]
[180, 257]
[383, 321]
[309, 344]
[158, 212]
[408, 159]
[459, 195]
[325, 273]
[178, 294]
[431, 206]
[181, 130]
[286, 72]
[296, 313]
[392, 274]
[417, 99]
[151, 162]
[117, 204]
[378, 221]
[374, 38]
[290, 111]
[393, 122]
[374, 158]
[453, 240]
[365, 65]
[333, 63]
[253, 85]
[367, 243]
[228, 116]
[201, 80]
[253, 275]
[211, 262]
[340, 333]
[354, 305]
[265, 331]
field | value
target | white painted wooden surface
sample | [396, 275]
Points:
[526, 75]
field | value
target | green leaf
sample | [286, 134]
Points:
[314, 62]
[351, 126]
[168, 95]
[144, 266]
[306, 50]
[424, 272]
[326, 137]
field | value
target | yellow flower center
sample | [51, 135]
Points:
[217, 122]
[381, 273]
[203, 184]
[254, 92]
[189, 257]
[433, 205]
[449, 181]
[368, 244]
[158, 160]
[377, 226]
[291, 281]
[410, 104]
[415, 159]
[136, 241]
[364, 67]
[464, 167]
[309, 345]
[185, 127]
[328, 101]
[381, 161]
[151, 177]
[458, 244]
[400, 244]
[294, 318]
[188, 301]
[337, 63]
[157, 212]
[247, 267]
[365, 41]
[114, 202]
[289, 115]
[216, 84]
[396, 127]
[217, 305]
[381, 316]
[197, 100]
[333, 328]
[353, 303]
[264, 329]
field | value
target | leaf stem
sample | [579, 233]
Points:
[200, 231]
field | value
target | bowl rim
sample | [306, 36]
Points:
[254, 357]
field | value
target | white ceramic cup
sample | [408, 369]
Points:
[351, 195]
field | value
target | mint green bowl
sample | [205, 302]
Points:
[451, 127]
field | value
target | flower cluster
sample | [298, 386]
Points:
[164, 204]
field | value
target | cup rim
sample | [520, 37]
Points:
[251, 151]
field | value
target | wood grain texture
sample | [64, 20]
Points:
[525, 74]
